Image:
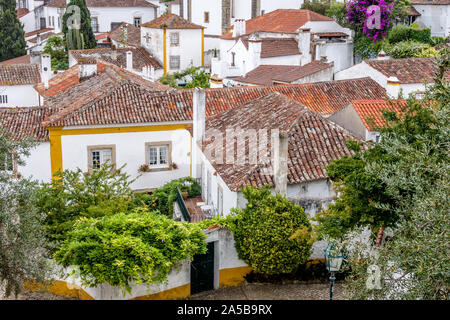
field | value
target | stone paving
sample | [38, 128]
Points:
[266, 291]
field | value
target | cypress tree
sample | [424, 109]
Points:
[82, 38]
[12, 36]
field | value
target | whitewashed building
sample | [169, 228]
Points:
[304, 36]
[435, 14]
[17, 83]
[407, 76]
[106, 15]
[217, 16]
[174, 41]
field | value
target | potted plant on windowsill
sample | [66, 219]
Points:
[144, 168]
[174, 166]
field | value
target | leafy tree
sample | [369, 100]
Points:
[272, 234]
[22, 239]
[81, 35]
[12, 36]
[319, 6]
[414, 263]
[75, 194]
[55, 47]
[129, 248]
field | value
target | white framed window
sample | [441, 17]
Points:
[174, 62]
[174, 39]
[159, 155]
[3, 99]
[99, 155]
[94, 24]
[137, 22]
[7, 162]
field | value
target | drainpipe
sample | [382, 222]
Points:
[281, 155]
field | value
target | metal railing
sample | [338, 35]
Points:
[182, 206]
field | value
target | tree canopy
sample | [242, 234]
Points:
[12, 36]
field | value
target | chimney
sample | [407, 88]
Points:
[280, 161]
[216, 81]
[152, 73]
[382, 55]
[46, 69]
[393, 87]
[38, 39]
[239, 27]
[324, 59]
[86, 71]
[129, 61]
[199, 127]
[304, 45]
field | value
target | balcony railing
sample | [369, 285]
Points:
[182, 206]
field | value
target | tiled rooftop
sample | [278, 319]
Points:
[268, 74]
[141, 58]
[26, 59]
[371, 111]
[22, 123]
[19, 74]
[171, 21]
[313, 141]
[132, 36]
[408, 70]
[281, 20]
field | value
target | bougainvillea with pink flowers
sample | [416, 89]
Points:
[374, 23]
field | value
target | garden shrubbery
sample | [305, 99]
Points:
[272, 234]
[125, 248]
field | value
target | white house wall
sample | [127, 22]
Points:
[130, 150]
[435, 17]
[341, 53]
[107, 15]
[37, 164]
[20, 96]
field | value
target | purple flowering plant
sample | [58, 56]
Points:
[374, 22]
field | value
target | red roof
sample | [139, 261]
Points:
[19, 74]
[26, 59]
[371, 111]
[266, 75]
[22, 12]
[281, 20]
[35, 32]
[171, 21]
[313, 141]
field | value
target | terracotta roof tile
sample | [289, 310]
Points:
[22, 12]
[408, 70]
[371, 111]
[141, 58]
[132, 38]
[26, 59]
[281, 20]
[22, 123]
[279, 47]
[35, 32]
[171, 21]
[268, 74]
[323, 97]
[19, 74]
[313, 141]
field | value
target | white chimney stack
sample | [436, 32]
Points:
[38, 39]
[280, 163]
[393, 87]
[46, 69]
[239, 27]
[152, 73]
[382, 55]
[199, 128]
[129, 61]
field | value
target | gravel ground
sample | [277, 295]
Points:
[268, 291]
[246, 291]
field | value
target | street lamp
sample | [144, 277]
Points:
[334, 258]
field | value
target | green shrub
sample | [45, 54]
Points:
[272, 234]
[408, 49]
[126, 249]
[399, 33]
[75, 194]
